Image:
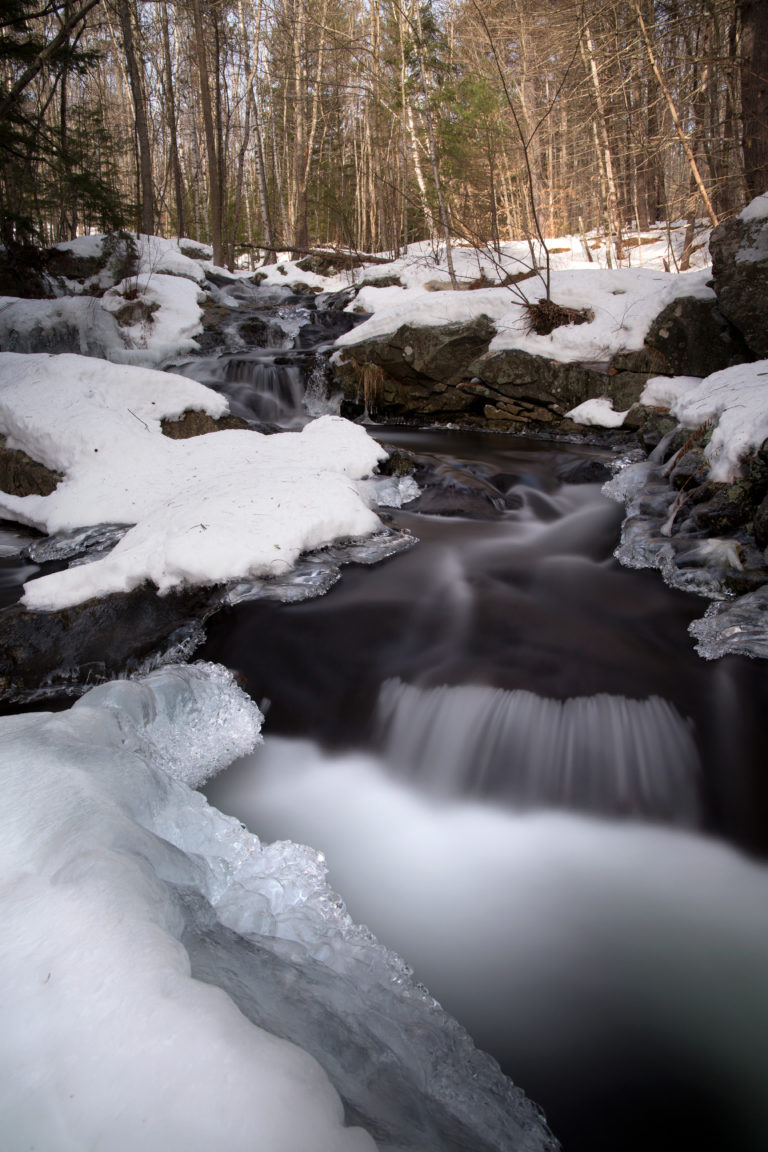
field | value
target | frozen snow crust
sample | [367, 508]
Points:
[126, 900]
[207, 510]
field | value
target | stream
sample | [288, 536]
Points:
[523, 778]
[520, 773]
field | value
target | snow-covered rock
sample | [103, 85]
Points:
[215, 508]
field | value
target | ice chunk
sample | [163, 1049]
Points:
[734, 626]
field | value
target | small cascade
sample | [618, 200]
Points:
[271, 350]
[260, 389]
[602, 754]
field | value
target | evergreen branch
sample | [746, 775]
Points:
[60, 39]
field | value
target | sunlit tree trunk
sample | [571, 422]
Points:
[214, 187]
[146, 209]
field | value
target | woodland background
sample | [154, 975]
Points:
[266, 125]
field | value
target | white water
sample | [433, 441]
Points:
[584, 952]
[602, 754]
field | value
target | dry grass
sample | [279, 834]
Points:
[545, 316]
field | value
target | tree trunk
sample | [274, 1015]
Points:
[754, 93]
[147, 211]
[170, 97]
[676, 118]
[214, 187]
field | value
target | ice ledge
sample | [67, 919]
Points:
[127, 900]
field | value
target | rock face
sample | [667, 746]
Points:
[445, 373]
[739, 250]
[521, 388]
[690, 337]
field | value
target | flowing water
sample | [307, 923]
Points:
[522, 776]
[525, 780]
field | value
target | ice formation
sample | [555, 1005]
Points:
[169, 982]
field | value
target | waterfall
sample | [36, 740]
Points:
[602, 754]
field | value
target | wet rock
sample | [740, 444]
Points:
[584, 472]
[731, 506]
[690, 470]
[398, 463]
[196, 423]
[338, 301]
[68, 651]
[20, 475]
[739, 250]
[258, 333]
[454, 490]
[653, 427]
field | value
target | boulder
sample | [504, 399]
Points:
[739, 250]
[425, 356]
[68, 651]
[690, 337]
[196, 423]
[761, 524]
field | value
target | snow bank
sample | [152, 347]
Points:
[734, 400]
[131, 908]
[156, 254]
[623, 302]
[70, 324]
[206, 510]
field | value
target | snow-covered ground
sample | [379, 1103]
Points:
[120, 884]
[131, 909]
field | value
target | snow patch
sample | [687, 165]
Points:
[598, 412]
